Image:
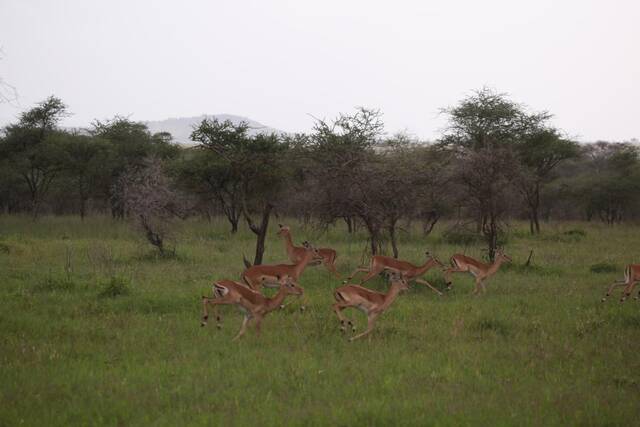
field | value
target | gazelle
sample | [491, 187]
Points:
[479, 270]
[380, 263]
[253, 304]
[295, 253]
[269, 275]
[631, 278]
[371, 303]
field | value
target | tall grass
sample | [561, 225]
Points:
[96, 331]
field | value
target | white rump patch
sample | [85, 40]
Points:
[219, 291]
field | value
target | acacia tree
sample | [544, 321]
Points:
[87, 167]
[610, 185]
[483, 132]
[343, 155]
[540, 151]
[32, 150]
[257, 164]
[209, 174]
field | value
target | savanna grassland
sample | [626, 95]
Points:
[96, 330]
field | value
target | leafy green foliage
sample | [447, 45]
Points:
[114, 287]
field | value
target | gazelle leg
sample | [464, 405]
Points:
[358, 270]
[258, 321]
[614, 285]
[329, 265]
[371, 321]
[627, 291]
[424, 282]
[243, 328]
[371, 273]
[338, 307]
[483, 287]
[213, 302]
[477, 288]
[205, 313]
[447, 275]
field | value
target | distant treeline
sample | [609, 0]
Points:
[494, 161]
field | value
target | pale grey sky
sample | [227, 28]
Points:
[278, 62]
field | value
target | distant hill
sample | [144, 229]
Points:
[181, 127]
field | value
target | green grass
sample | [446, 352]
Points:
[96, 330]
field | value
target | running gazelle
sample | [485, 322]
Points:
[480, 271]
[631, 278]
[253, 304]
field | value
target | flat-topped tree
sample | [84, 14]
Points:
[483, 132]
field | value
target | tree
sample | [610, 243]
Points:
[131, 143]
[540, 151]
[483, 131]
[256, 162]
[32, 150]
[152, 201]
[344, 158]
[87, 161]
[206, 173]
[610, 184]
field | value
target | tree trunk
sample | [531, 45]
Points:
[259, 231]
[490, 231]
[392, 235]
[349, 221]
[262, 234]
[430, 222]
[534, 206]
[83, 207]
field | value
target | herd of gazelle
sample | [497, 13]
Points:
[255, 305]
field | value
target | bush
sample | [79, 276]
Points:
[459, 236]
[569, 236]
[55, 284]
[116, 286]
[4, 248]
[603, 267]
[575, 232]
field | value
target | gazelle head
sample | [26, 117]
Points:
[310, 248]
[500, 255]
[397, 279]
[290, 286]
[434, 258]
[283, 231]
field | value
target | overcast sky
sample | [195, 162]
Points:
[281, 62]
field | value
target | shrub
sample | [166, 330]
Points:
[575, 232]
[459, 236]
[116, 286]
[603, 267]
[55, 284]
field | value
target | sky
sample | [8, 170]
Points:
[283, 63]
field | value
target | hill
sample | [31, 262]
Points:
[181, 127]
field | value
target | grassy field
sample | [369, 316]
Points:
[96, 330]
